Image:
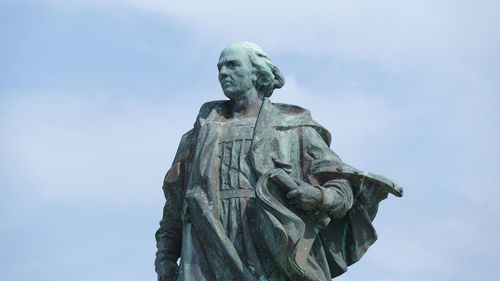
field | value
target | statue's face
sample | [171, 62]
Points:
[235, 72]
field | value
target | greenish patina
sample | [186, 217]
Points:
[255, 192]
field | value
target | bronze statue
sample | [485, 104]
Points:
[255, 193]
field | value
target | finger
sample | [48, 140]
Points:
[301, 182]
[298, 182]
[294, 193]
[299, 205]
[274, 179]
[296, 201]
[307, 207]
[294, 204]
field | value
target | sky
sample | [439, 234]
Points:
[95, 95]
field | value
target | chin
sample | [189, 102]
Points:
[230, 95]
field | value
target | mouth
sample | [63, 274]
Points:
[226, 83]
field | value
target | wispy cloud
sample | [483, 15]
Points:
[75, 146]
[388, 31]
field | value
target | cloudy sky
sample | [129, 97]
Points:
[95, 95]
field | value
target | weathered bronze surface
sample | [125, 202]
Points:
[255, 192]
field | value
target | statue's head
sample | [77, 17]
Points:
[244, 65]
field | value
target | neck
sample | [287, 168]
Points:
[247, 105]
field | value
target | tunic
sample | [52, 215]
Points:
[237, 195]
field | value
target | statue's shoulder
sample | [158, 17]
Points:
[294, 116]
[188, 140]
[207, 107]
[208, 110]
[292, 110]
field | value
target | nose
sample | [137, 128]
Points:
[223, 72]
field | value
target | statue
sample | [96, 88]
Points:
[255, 193]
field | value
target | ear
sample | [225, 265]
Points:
[255, 78]
[263, 80]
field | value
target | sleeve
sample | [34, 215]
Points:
[337, 198]
[169, 235]
[318, 159]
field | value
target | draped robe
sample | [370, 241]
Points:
[285, 136]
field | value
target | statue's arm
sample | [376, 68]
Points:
[319, 160]
[169, 235]
[337, 198]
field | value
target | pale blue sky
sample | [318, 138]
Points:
[94, 96]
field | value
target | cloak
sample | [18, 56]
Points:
[285, 137]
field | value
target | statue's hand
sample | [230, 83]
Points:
[305, 196]
[167, 270]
